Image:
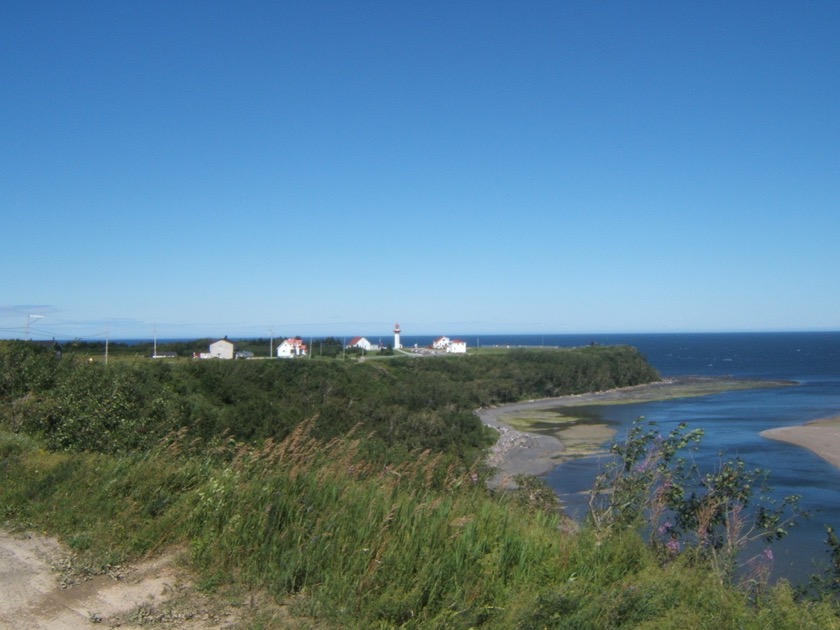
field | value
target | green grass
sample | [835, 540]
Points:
[357, 545]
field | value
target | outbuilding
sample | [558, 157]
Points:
[221, 349]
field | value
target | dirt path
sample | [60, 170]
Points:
[34, 595]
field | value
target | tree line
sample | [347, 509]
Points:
[402, 404]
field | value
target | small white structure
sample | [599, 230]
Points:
[441, 343]
[457, 346]
[290, 348]
[360, 342]
[397, 344]
[221, 349]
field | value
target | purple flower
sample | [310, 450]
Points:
[643, 466]
[665, 527]
[673, 546]
[768, 553]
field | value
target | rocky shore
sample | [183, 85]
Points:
[519, 452]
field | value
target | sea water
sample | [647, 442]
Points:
[732, 421]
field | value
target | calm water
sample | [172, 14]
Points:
[732, 421]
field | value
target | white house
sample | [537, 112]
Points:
[457, 346]
[360, 342]
[290, 348]
[221, 349]
[441, 343]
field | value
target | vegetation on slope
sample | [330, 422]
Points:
[405, 403]
[355, 544]
[365, 507]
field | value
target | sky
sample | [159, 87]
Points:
[192, 169]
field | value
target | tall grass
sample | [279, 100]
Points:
[387, 544]
[419, 545]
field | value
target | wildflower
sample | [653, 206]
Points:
[665, 527]
[642, 467]
[768, 553]
[673, 546]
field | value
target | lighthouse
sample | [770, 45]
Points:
[397, 344]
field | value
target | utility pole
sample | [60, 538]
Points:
[28, 322]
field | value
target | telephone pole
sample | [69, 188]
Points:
[28, 322]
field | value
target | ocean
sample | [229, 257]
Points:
[731, 421]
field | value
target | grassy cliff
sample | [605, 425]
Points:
[352, 491]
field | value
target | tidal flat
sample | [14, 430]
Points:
[537, 435]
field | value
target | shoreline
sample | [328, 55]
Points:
[821, 437]
[522, 452]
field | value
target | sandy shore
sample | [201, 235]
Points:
[819, 436]
[523, 452]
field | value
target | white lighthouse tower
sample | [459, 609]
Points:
[397, 344]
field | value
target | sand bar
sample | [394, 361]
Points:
[520, 452]
[819, 436]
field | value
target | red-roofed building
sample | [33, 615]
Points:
[360, 342]
[441, 343]
[290, 348]
[457, 346]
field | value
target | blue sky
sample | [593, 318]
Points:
[245, 168]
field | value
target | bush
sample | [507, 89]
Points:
[649, 486]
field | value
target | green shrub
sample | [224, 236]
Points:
[650, 486]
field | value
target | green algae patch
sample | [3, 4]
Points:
[580, 433]
[536, 420]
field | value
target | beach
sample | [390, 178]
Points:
[822, 437]
[537, 435]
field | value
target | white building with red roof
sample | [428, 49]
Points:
[457, 346]
[360, 342]
[291, 348]
[441, 343]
